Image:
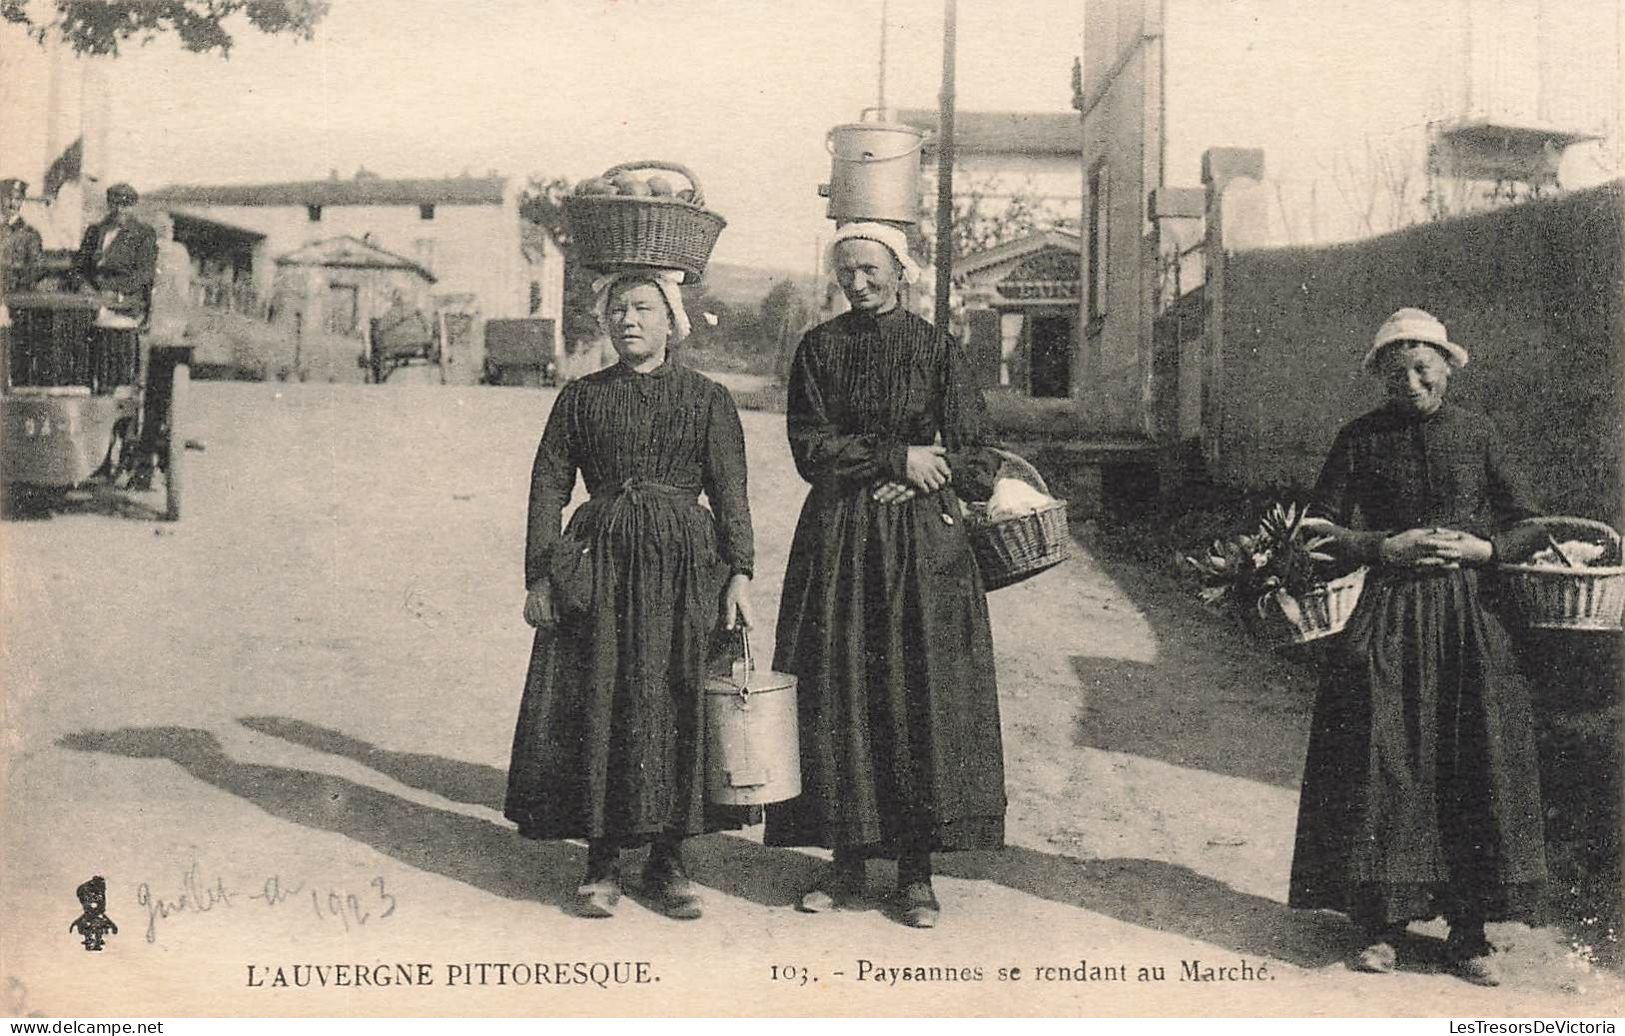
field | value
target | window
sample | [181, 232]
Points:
[1099, 239]
[313, 213]
[535, 297]
[425, 212]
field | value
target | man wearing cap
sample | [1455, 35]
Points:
[20, 245]
[1421, 790]
[119, 255]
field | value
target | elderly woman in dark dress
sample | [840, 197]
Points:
[883, 617]
[1421, 792]
[610, 740]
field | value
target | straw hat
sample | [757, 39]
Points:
[1413, 325]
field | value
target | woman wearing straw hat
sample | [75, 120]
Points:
[883, 617]
[610, 740]
[1421, 792]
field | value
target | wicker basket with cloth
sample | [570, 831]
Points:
[1017, 543]
[1574, 580]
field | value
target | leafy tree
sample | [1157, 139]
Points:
[983, 217]
[100, 26]
[542, 203]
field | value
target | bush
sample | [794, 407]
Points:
[1011, 415]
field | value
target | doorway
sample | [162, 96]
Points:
[342, 309]
[1050, 356]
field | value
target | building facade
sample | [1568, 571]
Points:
[465, 232]
[1364, 118]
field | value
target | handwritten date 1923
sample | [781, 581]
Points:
[350, 908]
[200, 896]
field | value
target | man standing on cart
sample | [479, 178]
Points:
[118, 257]
[20, 244]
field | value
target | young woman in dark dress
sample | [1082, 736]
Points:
[883, 618]
[610, 741]
[1421, 793]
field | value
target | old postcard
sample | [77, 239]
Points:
[1224, 621]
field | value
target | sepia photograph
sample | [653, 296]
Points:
[910, 509]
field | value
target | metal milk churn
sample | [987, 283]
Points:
[752, 747]
[874, 170]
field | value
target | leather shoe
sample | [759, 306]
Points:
[1480, 970]
[838, 885]
[918, 906]
[1377, 959]
[598, 897]
[665, 882]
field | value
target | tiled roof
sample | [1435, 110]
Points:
[362, 190]
[1021, 248]
[351, 252]
[1002, 133]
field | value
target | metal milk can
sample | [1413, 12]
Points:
[753, 750]
[874, 170]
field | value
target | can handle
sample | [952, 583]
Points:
[744, 666]
[829, 145]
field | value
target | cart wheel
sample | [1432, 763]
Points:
[174, 441]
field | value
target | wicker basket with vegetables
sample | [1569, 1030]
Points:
[1279, 580]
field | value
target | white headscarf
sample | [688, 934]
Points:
[895, 241]
[668, 281]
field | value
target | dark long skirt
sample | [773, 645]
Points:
[1421, 792]
[884, 622]
[610, 739]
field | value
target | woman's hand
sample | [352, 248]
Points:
[1434, 548]
[927, 467]
[539, 610]
[1461, 548]
[736, 609]
[892, 493]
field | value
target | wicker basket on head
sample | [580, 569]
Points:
[613, 231]
[1559, 596]
[1009, 550]
[1282, 619]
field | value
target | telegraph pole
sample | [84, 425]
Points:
[881, 99]
[945, 168]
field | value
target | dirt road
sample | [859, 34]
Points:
[280, 728]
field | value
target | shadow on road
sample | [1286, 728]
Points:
[470, 783]
[1149, 893]
[27, 504]
[438, 841]
[1186, 710]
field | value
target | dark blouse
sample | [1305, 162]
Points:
[863, 389]
[672, 429]
[1401, 471]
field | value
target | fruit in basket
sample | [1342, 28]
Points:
[660, 187]
[687, 194]
[631, 186]
[596, 186]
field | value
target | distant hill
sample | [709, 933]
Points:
[740, 285]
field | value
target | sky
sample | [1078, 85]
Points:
[742, 92]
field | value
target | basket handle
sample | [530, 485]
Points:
[1560, 521]
[1022, 465]
[670, 167]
